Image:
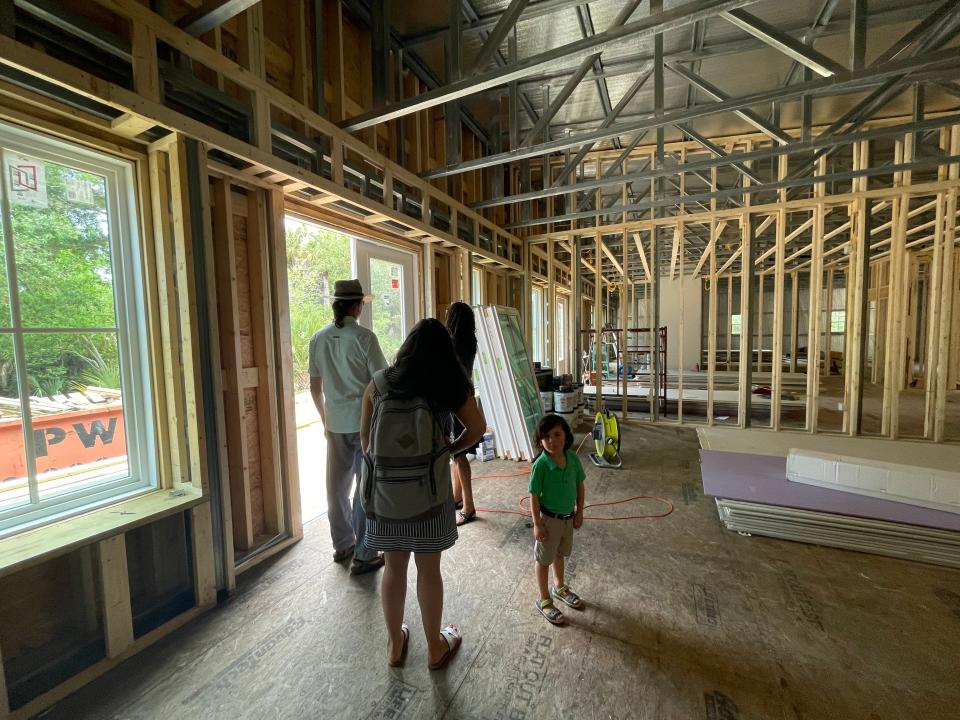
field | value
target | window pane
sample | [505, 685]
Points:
[60, 230]
[476, 280]
[561, 329]
[13, 463]
[78, 423]
[386, 286]
[838, 321]
[5, 318]
[536, 324]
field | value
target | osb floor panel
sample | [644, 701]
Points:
[684, 620]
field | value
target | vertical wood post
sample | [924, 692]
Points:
[115, 594]
[948, 290]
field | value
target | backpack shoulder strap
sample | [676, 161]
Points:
[381, 383]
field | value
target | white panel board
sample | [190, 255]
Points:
[911, 484]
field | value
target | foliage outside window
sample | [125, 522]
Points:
[735, 325]
[74, 383]
[316, 258]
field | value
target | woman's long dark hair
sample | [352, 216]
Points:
[463, 330]
[427, 366]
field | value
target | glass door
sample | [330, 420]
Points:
[390, 275]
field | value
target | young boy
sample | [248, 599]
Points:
[556, 502]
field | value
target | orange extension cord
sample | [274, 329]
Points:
[526, 513]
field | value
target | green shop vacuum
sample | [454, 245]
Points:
[606, 440]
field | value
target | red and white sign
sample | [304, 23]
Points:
[27, 180]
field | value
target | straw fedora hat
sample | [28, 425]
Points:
[350, 290]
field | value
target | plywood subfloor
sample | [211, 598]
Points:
[684, 620]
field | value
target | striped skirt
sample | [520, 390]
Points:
[433, 534]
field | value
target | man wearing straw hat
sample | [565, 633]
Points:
[343, 359]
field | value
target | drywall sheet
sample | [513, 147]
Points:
[911, 484]
[908, 542]
[940, 456]
[763, 479]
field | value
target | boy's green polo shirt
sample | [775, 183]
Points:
[556, 487]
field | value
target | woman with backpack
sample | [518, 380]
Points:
[463, 330]
[407, 468]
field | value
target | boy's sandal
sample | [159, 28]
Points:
[453, 637]
[464, 517]
[568, 596]
[550, 612]
[402, 657]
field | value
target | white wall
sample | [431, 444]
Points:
[670, 303]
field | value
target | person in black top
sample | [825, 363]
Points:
[463, 330]
[425, 367]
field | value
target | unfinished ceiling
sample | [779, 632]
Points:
[717, 50]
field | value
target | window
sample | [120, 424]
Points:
[476, 287]
[561, 338]
[735, 324]
[536, 324]
[74, 381]
[838, 321]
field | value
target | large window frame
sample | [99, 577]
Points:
[129, 293]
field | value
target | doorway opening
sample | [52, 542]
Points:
[318, 256]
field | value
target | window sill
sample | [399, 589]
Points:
[34, 546]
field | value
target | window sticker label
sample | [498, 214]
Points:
[27, 180]
[78, 190]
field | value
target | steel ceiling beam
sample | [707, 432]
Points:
[627, 64]
[887, 169]
[470, 13]
[587, 30]
[213, 14]
[930, 34]
[413, 61]
[789, 46]
[491, 45]
[818, 28]
[486, 23]
[678, 17]
[615, 167]
[565, 92]
[718, 151]
[717, 94]
[607, 122]
[755, 155]
[902, 47]
[858, 34]
[839, 84]
[698, 35]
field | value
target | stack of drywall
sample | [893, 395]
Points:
[911, 484]
[508, 387]
[904, 511]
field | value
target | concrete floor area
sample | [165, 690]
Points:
[683, 620]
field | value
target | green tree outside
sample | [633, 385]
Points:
[316, 258]
[65, 280]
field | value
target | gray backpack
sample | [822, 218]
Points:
[405, 474]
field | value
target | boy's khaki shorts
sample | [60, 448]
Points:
[559, 539]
